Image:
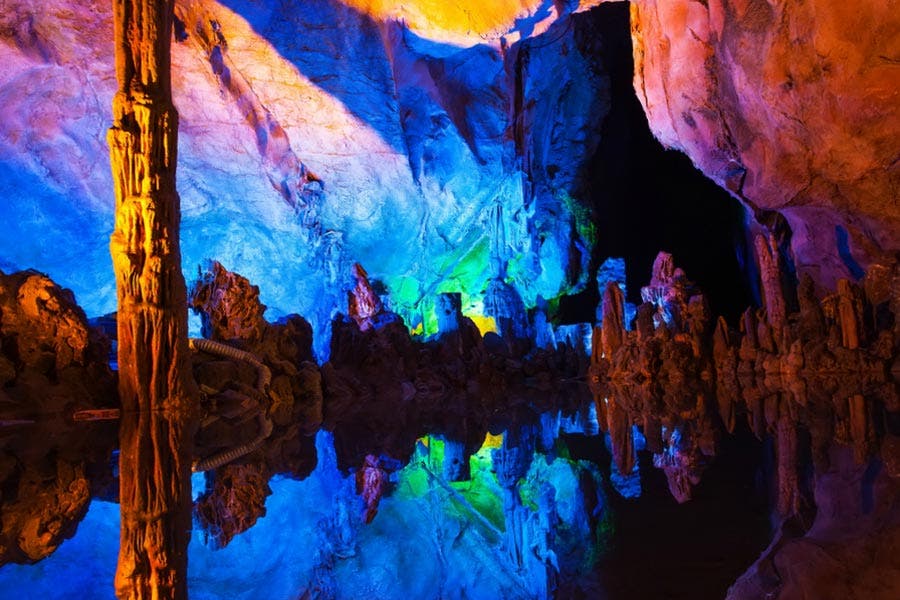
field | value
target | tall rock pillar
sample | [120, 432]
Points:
[155, 383]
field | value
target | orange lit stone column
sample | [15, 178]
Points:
[155, 383]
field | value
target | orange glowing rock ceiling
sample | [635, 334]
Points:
[462, 20]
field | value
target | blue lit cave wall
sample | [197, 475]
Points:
[313, 136]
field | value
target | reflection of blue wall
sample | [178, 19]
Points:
[421, 544]
[83, 567]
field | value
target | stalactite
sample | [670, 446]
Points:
[155, 384]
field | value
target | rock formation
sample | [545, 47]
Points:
[791, 106]
[816, 381]
[682, 372]
[156, 389]
[51, 360]
[262, 427]
[434, 145]
[380, 391]
[819, 391]
[358, 141]
[52, 363]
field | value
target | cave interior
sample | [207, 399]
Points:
[511, 299]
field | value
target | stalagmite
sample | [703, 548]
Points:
[613, 332]
[770, 274]
[812, 321]
[155, 384]
[848, 315]
[363, 304]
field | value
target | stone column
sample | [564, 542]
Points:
[155, 384]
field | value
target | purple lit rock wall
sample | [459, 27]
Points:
[792, 106]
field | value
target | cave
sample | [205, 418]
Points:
[376, 299]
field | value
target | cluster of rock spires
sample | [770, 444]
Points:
[380, 391]
[811, 375]
[815, 377]
[685, 378]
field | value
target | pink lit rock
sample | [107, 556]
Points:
[791, 106]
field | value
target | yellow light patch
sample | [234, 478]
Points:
[484, 324]
[492, 441]
[460, 18]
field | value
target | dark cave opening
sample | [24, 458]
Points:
[645, 198]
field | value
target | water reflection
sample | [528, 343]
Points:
[467, 466]
[528, 518]
[525, 520]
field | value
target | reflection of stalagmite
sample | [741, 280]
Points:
[790, 374]
[787, 455]
[726, 365]
[263, 379]
[371, 481]
[156, 390]
[596, 376]
[861, 430]
[620, 431]
[511, 462]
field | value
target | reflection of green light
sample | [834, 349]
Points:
[577, 546]
[482, 491]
